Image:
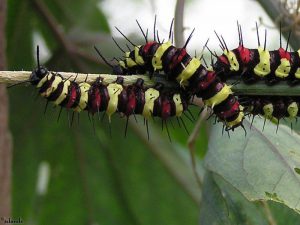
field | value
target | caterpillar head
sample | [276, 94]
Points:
[40, 72]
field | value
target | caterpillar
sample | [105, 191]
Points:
[111, 98]
[193, 77]
[272, 108]
[258, 64]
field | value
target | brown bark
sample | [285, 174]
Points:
[5, 143]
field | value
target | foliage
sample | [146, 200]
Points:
[98, 179]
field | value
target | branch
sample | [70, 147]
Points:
[15, 77]
[257, 89]
[58, 33]
[261, 88]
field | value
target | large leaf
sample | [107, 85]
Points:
[222, 204]
[263, 165]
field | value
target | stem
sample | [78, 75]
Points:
[257, 89]
[69, 47]
[191, 144]
[5, 140]
[268, 213]
[260, 88]
[178, 25]
[15, 77]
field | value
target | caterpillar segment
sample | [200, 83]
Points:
[258, 64]
[273, 108]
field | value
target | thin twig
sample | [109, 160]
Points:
[69, 47]
[191, 144]
[178, 25]
[260, 88]
[268, 213]
[14, 77]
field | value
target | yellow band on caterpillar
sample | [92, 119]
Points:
[293, 110]
[234, 64]
[237, 121]
[188, 71]
[219, 97]
[63, 93]
[122, 64]
[268, 110]
[53, 86]
[44, 79]
[84, 95]
[283, 69]
[150, 96]
[297, 73]
[129, 61]
[263, 68]
[178, 104]
[156, 60]
[138, 59]
[113, 91]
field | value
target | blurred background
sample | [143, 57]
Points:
[75, 175]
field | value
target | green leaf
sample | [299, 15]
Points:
[79, 15]
[213, 206]
[94, 178]
[283, 215]
[19, 35]
[261, 165]
[222, 204]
